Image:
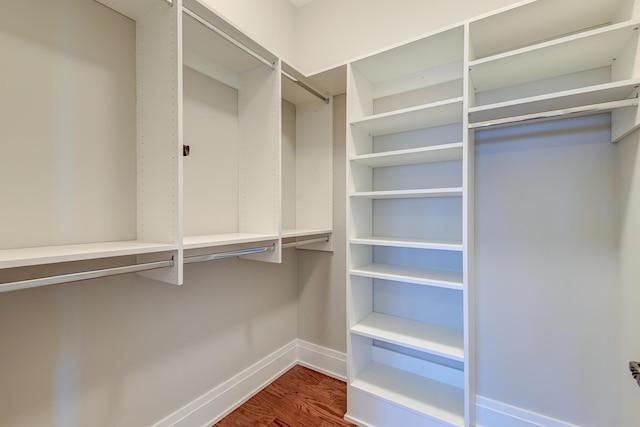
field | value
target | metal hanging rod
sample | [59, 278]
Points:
[555, 114]
[84, 275]
[305, 87]
[230, 39]
[230, 254]
[306, 242]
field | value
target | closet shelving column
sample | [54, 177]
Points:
[91, 180]
[307, 163]
[561, 57]
[406, 292]
[232, 128]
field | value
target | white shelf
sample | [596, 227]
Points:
[425, 337]
[11, 258]
[538, 21]
[579, 52]
[303, 232]
[408, 243]
[420, 117]
[419, 276]
[560, 100]
[437, 153]
[441, 401]
[410, 194]
[194, 242]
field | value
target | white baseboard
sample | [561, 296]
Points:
[329, 362]
[220, 401]
[491, 413]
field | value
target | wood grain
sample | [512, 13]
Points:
[300, 397]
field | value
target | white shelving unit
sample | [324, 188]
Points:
[307, 162]
[92, 180]
[406, 144]
[585, 55]
[231, 125]
[413, 111]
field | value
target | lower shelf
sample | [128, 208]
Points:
[430, 398]
[194, 242]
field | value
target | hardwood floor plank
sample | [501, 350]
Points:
[300, 397]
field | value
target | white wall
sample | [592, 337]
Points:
[547, 278]
[331, 32]
[269, 22]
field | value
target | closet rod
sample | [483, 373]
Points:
[230, 254]
[305, 87]
[230, 39]
[555, 114]
[84, 275]
[306, 242]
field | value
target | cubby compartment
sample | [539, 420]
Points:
[424, 72]
[307, 164]
[581, 57]
[231, 101]
[85, 179]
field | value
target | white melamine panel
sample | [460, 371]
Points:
[421, 138]
[441, 401]
[590, 50]
[437, 175]
[211, 170]
[68, 168]
[424, 304]
[11, 258]
[424, 95]
[408, 243]
[213, 240]
[560, 100]
[427, 337]
[259, 189]
[135, 9]
[438, 153]
[410, 194]
[418, 366]
[288, 147]
[159, 132]
[421, 276]
[420, 117]
[314, 165]
[428, 53]
[539, 21]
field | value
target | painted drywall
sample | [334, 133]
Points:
[322, 275]
[331, 32]
[628, 291]
[127, 351]
[269, 22]
[547, 278]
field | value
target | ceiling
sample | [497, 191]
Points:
[299, 3]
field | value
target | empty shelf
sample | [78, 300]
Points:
[402, 242]
[194, 242]
[436, 153]
[410, 194]
[439, 278]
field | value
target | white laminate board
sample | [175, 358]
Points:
[410, 194]
[560, 100]
[10, 258]
[435, 399]
[193, 242]
[429, 338]
[420, 117]
[299, 232]
[594, 49]
[408, 243]
[438, 153]
[420, 276]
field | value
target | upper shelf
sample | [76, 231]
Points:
[431, 154]
[595, 94]
[579, 52]
[420, 117]
[541, 20]
[11, 258]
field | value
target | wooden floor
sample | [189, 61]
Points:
[299, 398]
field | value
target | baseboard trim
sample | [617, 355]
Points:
[322, 359]
[490, 413]
[220, 401]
